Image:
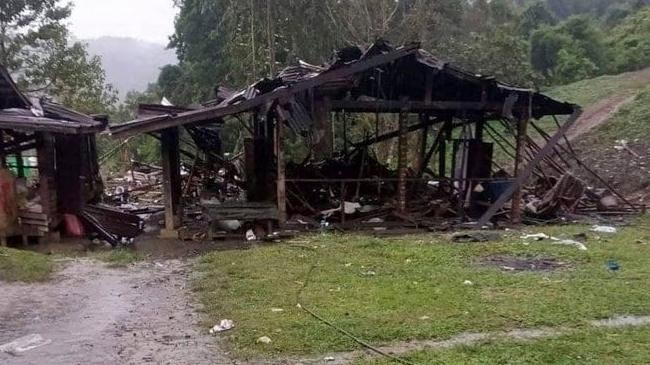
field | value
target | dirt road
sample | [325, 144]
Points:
[90, 314]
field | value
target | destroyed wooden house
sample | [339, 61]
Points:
[49, 164]
[450, 175]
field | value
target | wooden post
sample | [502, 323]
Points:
[323, 132]
[520, 153]
[402, 159]
[46, 173]
[442, 150]
[281, 180]
[171, 181]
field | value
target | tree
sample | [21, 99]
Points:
[630, 41]
[35, 47]
[574, 47]
[535, 16]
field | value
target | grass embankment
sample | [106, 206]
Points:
[588, 92]
[117, 258]
[624, 346]
[631, 122]
[395, 289]
[24, 266]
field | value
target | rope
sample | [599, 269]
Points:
[342, 330]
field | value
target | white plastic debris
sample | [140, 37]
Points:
[264, 339]
[424, 318]
[555, 240]
[329, 358]
[536, 236]
[277, 310]
[467, 282]
[250, 235]
[224, 325]
[230, 225]
[603, 229]
[24, 344]
[577, 244]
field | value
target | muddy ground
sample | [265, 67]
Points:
[92, 314]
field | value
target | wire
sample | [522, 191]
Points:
[341, 330]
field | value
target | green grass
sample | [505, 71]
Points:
[24, 266]
[631, 122]
[624, 346]
[415, 277]
[117, 258]
[588, 92]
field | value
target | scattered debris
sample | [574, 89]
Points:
[604, 229]
[613, 266]
[555, 240]
[510, 263]
[264, 340]
[468, 283]
[224, 325]
[475, 236]
[24, 344]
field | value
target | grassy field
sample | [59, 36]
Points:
[624, 346]
[394, 289]
[588, 92]
[24, 266]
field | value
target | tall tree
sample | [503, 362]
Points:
[35, 47]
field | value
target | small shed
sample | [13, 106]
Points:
[51, 152]
[426, 94]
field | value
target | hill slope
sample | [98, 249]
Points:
[612, 135]
[130, 64]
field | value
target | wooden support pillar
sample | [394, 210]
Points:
[520, 153]
[171, 181]
[402, 160]
[442, 149]
[20, 164]
[281, 183]
[47, 173]
[479, 126]
[323, 131]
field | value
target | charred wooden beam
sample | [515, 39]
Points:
[171, 178]
[394, 134]
[528, 170]
[395, 106]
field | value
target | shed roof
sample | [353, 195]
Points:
[372, 79]
[19, 114]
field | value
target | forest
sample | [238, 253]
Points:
[532, 43]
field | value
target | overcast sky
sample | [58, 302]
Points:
[149, 20]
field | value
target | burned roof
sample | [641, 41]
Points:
[19, 114]
[380, 78]
[10, 97]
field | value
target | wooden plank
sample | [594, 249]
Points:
[393, 134]
[323, 134]
[528, 170]
[402, 159]
[281, 182]
[171, 178]
[40, 124]
[522, 133]
[218, 112]
[395, 106]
